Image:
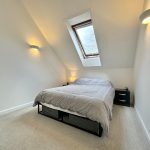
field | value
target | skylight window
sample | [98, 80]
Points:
[85, 35]
[81, 31]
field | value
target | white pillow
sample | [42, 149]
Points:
[92, 81]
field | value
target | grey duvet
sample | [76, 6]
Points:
[92, 101]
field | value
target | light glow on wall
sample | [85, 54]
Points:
[73, 76]
[72, 79]
[34, 52]
[34, 41]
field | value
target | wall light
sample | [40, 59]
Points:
[34, 50]
[34, 47]
[145, 17]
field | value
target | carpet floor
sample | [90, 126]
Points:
[26, 130]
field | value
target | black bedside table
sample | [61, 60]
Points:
[122, 97]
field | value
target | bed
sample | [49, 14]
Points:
[87, 104]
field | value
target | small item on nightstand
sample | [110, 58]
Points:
[122, 97]
[66, 84]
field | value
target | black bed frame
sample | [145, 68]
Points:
[73, 120]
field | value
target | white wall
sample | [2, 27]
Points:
[22, 73]
[142, 73]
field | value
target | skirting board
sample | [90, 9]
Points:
[143, 124]
[9, 110]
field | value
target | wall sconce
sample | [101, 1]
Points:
[34, 50]
[34, 47]
[145, 17]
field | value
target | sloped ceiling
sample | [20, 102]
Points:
[115, 21]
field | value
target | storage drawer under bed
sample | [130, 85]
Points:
[56, 114]
[77, 121]
[81, 122]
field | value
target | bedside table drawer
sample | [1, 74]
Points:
[122, 101]
[122, 96]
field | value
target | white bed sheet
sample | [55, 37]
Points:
[64, 110]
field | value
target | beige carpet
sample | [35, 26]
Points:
[26, 130]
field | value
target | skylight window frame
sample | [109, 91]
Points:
[82, 25]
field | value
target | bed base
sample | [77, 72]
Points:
[73, 120]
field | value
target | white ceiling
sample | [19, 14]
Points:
[116, 25]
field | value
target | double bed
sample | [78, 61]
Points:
[87, 104]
